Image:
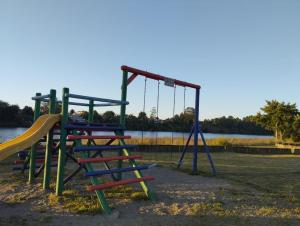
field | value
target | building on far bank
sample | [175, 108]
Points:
[189, 111]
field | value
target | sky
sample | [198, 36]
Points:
[241, 52]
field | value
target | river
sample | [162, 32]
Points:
[9, 133]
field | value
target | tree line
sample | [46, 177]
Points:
[14, 116]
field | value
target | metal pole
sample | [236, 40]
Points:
[32, 164]
[196, 131]
[49, 145]
[63, 139]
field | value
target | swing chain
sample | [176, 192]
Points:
[184, 106]
[157, 101]
[144, 108]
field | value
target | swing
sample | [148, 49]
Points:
[174, 105]
[196, 128]
[157, 120]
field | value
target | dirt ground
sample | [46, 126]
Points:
[182, 199]
[171, 187]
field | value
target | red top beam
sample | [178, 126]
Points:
[158, 77]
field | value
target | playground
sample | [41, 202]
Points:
[59, 172]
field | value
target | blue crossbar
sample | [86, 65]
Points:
[97, 99]
[40, 97]
[128, 169]
[23, 154]
[94, 128]
[102, 147]
[94, 124]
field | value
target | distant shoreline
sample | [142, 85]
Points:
[175, 132]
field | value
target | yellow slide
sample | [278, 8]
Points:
[38, 130]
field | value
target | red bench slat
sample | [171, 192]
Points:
[72, 137]
[109, 159]
[118, 183]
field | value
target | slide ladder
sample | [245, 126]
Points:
[92, 154]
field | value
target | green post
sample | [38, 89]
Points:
[123, 116]
[63, 142]
[91, 111]
[32, 164]
[125, 152]
[90, 119]
[49, 145]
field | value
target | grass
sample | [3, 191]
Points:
[82, 202]
[276, 175]
[75, 202]
[263, 186]
[220, 141]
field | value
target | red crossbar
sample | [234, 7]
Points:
[72, 137]
[131, 78]
[118, 183]
[109, 159]
[157, 77]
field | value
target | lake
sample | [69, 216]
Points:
[9, 133]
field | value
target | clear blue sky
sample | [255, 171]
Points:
[241, 52]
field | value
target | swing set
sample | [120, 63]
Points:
[170, 82]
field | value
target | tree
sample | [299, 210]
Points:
[97, 117]
[153, 113]
[26, 116]
[278, 117]
[45, 108]
[296, 129]
[109, 117]
[84, 114]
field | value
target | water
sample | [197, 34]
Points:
[9, 133]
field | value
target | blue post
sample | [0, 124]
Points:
[196, 131]
[185, 148]
[214, 172]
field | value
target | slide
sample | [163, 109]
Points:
[38, 130]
